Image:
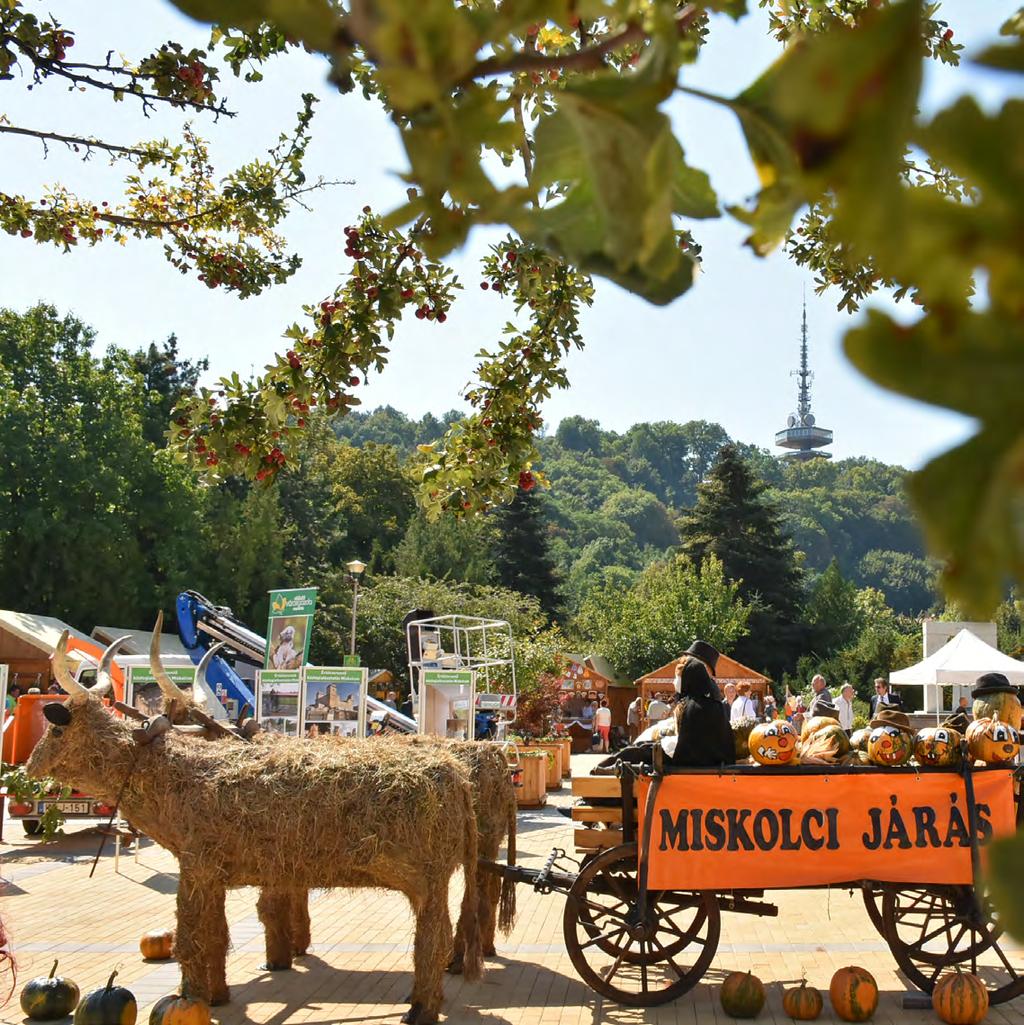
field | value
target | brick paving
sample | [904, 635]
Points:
[359, 968]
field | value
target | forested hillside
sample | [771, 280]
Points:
[644, 539]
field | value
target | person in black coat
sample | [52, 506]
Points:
[703, 733]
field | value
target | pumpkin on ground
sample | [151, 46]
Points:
[179, 1010]
[859, 739]
[890, 746]
[937, 746]
[1005, 704]
[741, 730]
[157, 946]
[960, 998]
[773, 743]
[992, 741]
[803, 1003]
[49, 997]
[111, 1005]
[854, 994]
[742, 995]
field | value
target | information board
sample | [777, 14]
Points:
[278, 705]
[143, 692]
[334, 700]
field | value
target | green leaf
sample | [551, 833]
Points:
[834, 112]
[1003, 58]
[621, 175]
[970, 500]
[312, 22]
[1005, 867]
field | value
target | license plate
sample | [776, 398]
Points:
[67, 807]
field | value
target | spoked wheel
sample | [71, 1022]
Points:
[932, 930]
[872, 894]
[634, 959]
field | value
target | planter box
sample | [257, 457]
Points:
[533, 791]
[553, 764]
[566, 756]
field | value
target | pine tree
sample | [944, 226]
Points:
[735, 523]
[521, 556]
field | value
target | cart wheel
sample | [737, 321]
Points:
[872, 894]
[931, 930]
[640, 962]
[32, 827]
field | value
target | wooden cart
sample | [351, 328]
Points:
[642, 918]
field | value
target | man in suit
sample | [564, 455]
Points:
[883, 697]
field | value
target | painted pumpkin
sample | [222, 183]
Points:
[741, 729]
[179, 1010]
[111, 1005]
[937, 746]
[992, 741]
[803, 1003]
[1007, 706]
[157, 946]
[890, 746]
[742, 995]
[854, 994]
[49, 996]
[859, 739]
[960, 999]
[773, 743]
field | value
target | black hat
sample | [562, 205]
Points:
[707, 653]
[992, 683]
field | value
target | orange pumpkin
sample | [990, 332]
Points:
[742, 995]
[890, 746]
[179, 1010]
[772, 743]
[992, 741]
[960, 999]
[157, 946]
[854, 994]
[937, 745]
[803, 1003]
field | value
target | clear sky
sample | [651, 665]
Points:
[723, 352]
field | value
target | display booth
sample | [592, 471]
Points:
[463, 674]
[313, 701]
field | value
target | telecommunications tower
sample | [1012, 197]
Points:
[802, 435]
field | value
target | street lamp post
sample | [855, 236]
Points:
[355, 571]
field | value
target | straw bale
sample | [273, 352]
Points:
[290, 813]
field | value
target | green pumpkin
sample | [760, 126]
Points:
[836, 733]
[742, 995]
[937, 746]
[49, 997]
[1004, 705]
[111, 1005]
[741, 736]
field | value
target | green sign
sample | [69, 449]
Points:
[459, 677]
[180, 676]
[280, 675]
[289, 628]
[333, 674]
[350, 660]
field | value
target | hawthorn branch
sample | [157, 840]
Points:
[72, 141]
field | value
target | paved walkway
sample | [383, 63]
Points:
[359, 968]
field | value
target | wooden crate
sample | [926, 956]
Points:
[602, 822]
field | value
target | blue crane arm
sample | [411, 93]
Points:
[202, 624]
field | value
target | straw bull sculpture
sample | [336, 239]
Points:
[284, 911]
[250, 814]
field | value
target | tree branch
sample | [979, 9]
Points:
[75, 140]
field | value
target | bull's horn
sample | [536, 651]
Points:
[164, 682]
[198, 694]
[104, 681]
[72, 687]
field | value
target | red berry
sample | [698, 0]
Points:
[211, 460]
[947, 35]
[26, 232]
[421, 313]
[526, 481]
[442, 317]
[300, 422]
[484, 285]
[407, 293]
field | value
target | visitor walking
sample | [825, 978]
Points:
[883, 698]
[657, 710]
[743, 707]
[634, 713]
[603, 723]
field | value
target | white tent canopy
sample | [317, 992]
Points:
[958, 663]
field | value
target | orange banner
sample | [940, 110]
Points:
[724, 832]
